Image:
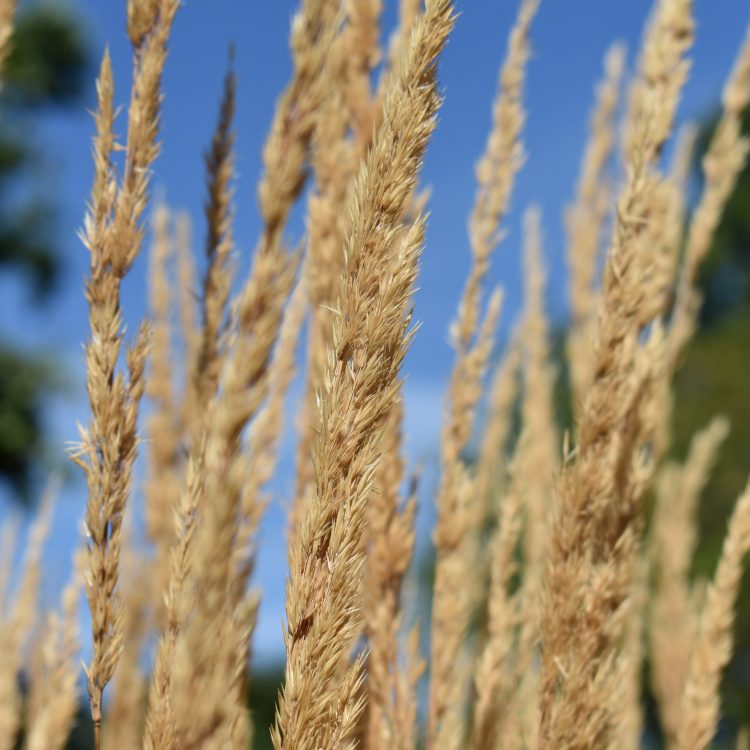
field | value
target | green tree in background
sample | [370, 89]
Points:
[46, 69]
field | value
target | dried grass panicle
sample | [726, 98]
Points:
[584, 223]
[113, 235]
[54, 692]
[712, 647]
[502, 397]
[333, 162]
[494, 676]
[124, 719]
[596, 520]
[673, 618]
[163, 479]
[265, 436]
[190, 330]
[318, 704]
[504, 678]
[18, 620]
[540, 459]
[457, 512]
[559, 661]
[722, 164]
[391, 538]
[243, 387]
[362, 34]
[217, 280]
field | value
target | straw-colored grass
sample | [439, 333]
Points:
[552, 587]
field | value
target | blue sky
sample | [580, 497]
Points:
[569, 41]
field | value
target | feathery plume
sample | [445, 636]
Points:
[594, 538]
[673, 539]
[53, 698]
[219, 246]
[712, 648]
[726, 157]
[113, 235]
[318, 706]
[162, 486]
[19, 621]
[457, 511]
[584, 224]
[391, 544]
[208, 634]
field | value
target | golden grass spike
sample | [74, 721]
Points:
[219, 247]
[264, 438]
[190, 330]
[18, 623]
[203, 715]
[713, 645]
[362, 36]
[584, 224]
[503, 394]
[722, 165]
[595, 533]
[113, 235]
[163, 481]
[54, 691]
[391, 544]
[125, 717]
[318, 706]
[493, 676]
[457, 508]
[334, 165]
[672, 623]
[541, 457]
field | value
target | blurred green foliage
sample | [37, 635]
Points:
[47, 68]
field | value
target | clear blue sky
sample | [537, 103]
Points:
[569, 40]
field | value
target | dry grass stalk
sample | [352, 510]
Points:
[219, 247]
[318, 705]
[673, 540]
[163, 480]
[113, 235]
[244, 386]
[217, 456]
[540, 459]
[713, 645]
[625, 694]
[334, 165]
[216, 465]
[503, 393]
[584, 223]
[508, 680]
[190, 330]
[391, 544]
[265, 435]
[722, 164]
[54, 693]
[494, 674]
[362, 34]
[595, 530]
[125, 717]
[19, 620]
[457, 512]
[408, 13]
[535, 465]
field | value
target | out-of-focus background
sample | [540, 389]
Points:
[45, 177]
